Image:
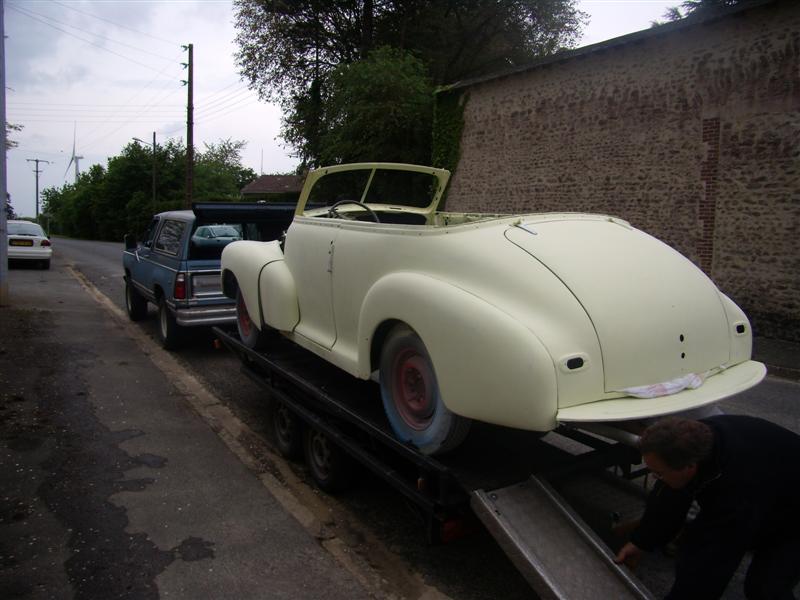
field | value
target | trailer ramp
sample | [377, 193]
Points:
[551, 546]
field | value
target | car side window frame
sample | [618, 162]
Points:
[166, 229]
[150, 233]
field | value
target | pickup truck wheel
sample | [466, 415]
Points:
[330, 467]
[251, 336]
[411, 396]
[135, 303]
[286, 430]
[168, 330]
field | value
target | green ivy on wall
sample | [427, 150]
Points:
[448, 123]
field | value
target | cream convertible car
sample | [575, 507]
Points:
[524, 321]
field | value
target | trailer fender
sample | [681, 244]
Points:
[488, 366]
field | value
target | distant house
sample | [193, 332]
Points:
[273, 188]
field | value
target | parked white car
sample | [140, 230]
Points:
[524, 321]
[27, 241]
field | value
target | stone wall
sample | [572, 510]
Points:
[691, 132]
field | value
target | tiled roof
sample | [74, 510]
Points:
[274, 184]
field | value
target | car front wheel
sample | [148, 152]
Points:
[168, 330]
[135, 304]
[251, 336]
[411, 396]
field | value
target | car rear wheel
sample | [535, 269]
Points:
[45, 264]
[169, 331]
[251, 336]
[411, 396]
[135, 304]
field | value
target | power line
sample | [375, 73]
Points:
[94, 16]
[30, 16]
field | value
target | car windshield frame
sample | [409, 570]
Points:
[308, 208]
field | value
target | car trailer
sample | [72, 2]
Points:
[510, 479]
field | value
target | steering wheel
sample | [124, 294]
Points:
[335, 214]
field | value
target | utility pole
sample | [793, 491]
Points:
[4, 299]
[189, 83]
[37, 171]
[154, 170]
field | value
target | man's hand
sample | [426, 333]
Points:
[630, 554]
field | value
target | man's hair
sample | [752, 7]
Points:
[678, 442]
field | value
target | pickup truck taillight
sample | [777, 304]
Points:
[180, 287]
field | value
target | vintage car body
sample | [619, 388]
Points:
[527, 320]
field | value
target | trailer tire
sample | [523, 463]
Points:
[251, 336]
[286, 431]
[411, 396]
[330, 467]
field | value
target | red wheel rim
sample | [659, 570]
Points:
[413, 387]
[243, 317]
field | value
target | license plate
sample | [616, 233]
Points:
[206, 285]
[20, 242]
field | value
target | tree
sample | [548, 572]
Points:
[106, 203]
[381, 106]
[291, 52]
[699, 8]
[219, 173]
[11, 127]
[10, 214]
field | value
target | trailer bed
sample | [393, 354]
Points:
[509, 478]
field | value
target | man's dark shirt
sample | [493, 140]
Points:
[749, 495]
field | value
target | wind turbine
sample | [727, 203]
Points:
[74, 158]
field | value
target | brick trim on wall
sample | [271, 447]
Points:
[709, 175]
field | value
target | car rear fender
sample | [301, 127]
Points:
[488, 366]
[257, 269]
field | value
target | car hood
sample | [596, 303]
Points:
[656, 315]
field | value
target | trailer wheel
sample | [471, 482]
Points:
[251, 336]
[135, 303]
[330, 467]
[411, 396]
[286, 431]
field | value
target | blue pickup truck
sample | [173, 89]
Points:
[176, 264]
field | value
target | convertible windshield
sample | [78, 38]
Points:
[392, 187]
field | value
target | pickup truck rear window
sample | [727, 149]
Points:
[169, 238]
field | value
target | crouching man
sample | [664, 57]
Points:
[744, 474]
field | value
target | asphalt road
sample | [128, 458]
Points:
[370, 521]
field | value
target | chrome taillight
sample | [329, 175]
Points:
[180, 287]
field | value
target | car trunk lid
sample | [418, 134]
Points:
[657, 317]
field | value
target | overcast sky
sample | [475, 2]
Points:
[110, 71]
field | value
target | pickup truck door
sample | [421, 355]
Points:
[140, 265]
[310, 244]
[169, 248]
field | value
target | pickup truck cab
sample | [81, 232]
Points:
[176, 264]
